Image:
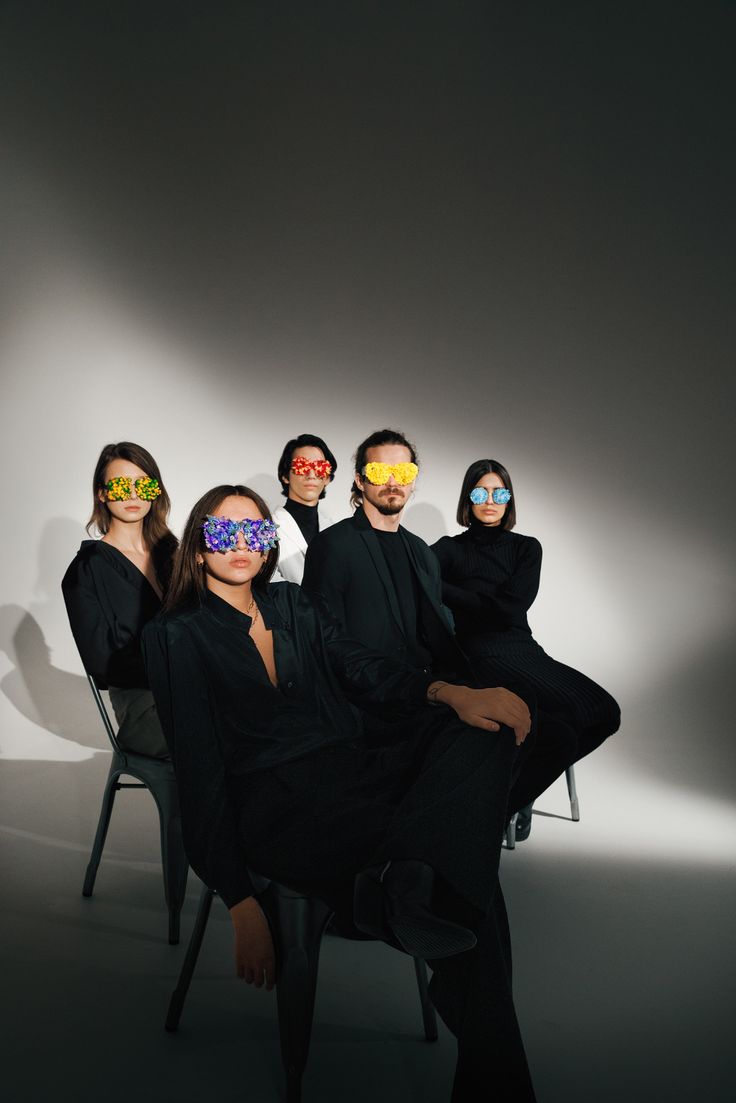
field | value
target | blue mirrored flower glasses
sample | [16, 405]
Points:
[500, 496]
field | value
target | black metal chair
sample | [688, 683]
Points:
[156, 775]
[297, 924]
[572, 794]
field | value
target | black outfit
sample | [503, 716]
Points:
[109, 601]
[347, 564]
[490, 577]
[359, 574]
[298, 783]
[306, 517]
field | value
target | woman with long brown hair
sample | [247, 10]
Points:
[115, 584]
[282, 769]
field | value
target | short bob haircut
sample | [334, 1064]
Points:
[188, 584]
[476, 471]
[155, 527]
[375, 440]
[304, 440]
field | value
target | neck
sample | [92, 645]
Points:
[379, 520]
[238, 595]
[301, 502]
[127, 535]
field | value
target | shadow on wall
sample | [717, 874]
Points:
[53, 699]
[426, 521]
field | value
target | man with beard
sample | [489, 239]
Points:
[383, 583]
[380, 580]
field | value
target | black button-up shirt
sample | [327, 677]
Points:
[223, 718]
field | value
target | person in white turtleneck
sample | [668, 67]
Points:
[306, 467]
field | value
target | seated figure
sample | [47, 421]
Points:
[306, 467]
[287, 766]
[490, 577]
[114, 585]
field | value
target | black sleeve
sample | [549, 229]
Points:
[493, 606]
[111, 654]
[367, 677]
[209, 820]
[325, 575]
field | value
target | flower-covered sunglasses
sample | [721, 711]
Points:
[121, 488]
[500, 495]
[379, 473]
[300, 465]
[221, 534]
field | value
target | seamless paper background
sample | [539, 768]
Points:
[504, 228]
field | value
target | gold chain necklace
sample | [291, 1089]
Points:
[255, 618]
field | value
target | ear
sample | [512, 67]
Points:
[102, 495]
[285, 480]
[358, 480]
[199, 559]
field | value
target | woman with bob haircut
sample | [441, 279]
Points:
[490, 578]
[114, 586]
[282, 770]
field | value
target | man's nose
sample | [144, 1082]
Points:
[391, 481]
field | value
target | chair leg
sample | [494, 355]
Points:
[108, 799]
[298, 923]
[173, 857]
[572, 793]
[176, 1003]
[511, 832]
[429, 1017]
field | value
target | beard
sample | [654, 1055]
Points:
[389, 508]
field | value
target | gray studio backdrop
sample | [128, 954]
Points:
[496, 228]
[505, 228]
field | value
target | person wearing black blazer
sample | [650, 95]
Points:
[113, 587]
[346, 565]
[384, 584]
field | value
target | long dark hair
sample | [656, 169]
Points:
[375, 440]
[302, 441]
[477, 470]
[157, 536]
[188, 583]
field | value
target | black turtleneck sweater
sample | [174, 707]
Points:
[306, 517]
[490, 577]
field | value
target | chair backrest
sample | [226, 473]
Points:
[105, 715]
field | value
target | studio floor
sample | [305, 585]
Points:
[623, 939]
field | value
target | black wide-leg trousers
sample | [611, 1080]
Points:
[439, 795]
[575, 714]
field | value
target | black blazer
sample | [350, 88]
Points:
[346, 565]
[224, 722]
[109, 601]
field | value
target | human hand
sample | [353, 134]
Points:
[487, 708]
[254, 956]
